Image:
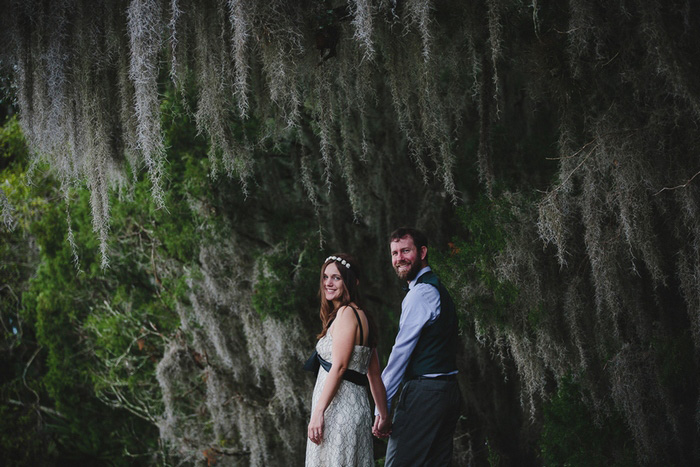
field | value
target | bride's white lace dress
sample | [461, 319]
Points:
[347, 432]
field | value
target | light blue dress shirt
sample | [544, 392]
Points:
[420, 307]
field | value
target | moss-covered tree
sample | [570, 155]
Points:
[565, 133]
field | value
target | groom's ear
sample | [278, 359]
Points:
[423, 252]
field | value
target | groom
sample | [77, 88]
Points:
[424, 359]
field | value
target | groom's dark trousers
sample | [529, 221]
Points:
[424, 422]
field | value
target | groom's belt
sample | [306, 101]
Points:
[452, 377]
[315, 360]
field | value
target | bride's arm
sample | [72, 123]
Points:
[344, 329]
[376, 386]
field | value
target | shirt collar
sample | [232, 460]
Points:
[420, 273]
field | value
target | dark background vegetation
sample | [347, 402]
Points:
[174, 174]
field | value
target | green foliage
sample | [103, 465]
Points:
[572, 437]
[17, 258]
[58, 301]
[19, 442]
[22, 440]
[12, 144]
[45, 360]
[99, 332]
[471, 257]
[493, 457]
[25, 198]
[287, 279]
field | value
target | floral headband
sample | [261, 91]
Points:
[340, 260]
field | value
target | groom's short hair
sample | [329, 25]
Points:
[419, 238]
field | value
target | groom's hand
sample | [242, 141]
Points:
[381, 428]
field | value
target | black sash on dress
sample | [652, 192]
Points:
[315, 361]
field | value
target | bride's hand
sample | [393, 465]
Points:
[382, 427]
[316, 428]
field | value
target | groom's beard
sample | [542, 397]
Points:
[410, 274]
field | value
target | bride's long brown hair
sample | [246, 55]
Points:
[351, 293]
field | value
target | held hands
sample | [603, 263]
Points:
[316, 428]
[382, 427]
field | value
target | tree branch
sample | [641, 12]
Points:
[47, 410]
[678, 186]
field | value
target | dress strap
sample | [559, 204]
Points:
[359, 322]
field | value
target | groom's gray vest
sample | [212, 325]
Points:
[436, 350]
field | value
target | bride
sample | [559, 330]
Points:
[341, 420]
